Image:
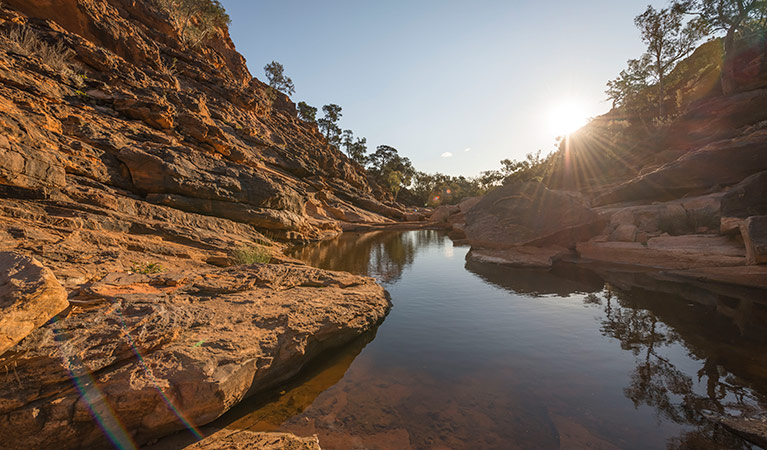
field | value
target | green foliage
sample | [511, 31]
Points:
[438, 189]
[195, 20]
[275, 74]
[390, 170]
[252, 255]
[328, 124]
[356, 149]
[307, 113]
[532, 168]
[668, 40]
[147, 268]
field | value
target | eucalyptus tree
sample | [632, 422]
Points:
[355, 148]
[328, 124]
[307, 113]
[275, 75]
[668, 39]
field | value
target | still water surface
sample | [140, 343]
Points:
[485, 357]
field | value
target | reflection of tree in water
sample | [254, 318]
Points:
[381, 254]
[658, 383]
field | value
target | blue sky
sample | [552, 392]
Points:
[432, 77]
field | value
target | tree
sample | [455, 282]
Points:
[729, 16]
[668, 40]
[631, 82]
[328, 125]
[275, 74]
[307, 113]
[195, 20]
[356, 149]
[532, 168]
[389, 169]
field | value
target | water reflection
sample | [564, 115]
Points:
[267, 412]
[380, 254]
[484, 356]
[647, 323]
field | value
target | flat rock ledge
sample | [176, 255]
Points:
[146, 356]
[30, 295]
[525, 257]
[249, 440]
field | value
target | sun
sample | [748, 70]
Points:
[566, 117]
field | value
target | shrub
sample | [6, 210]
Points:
[252, 255]
[24, 41]
[147, 268]
[195, 20]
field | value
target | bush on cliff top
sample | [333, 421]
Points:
[195, 20]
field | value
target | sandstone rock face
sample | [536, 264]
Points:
[30, 295]
[529, 214]
[468, 203]
[667, 252]
[744, 200]
[677, 217]
[148, 350]
[249, 440]
[441, 213]
[720, 163]
[754, 231]
[151, 119]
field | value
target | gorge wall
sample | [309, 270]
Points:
[132, 168]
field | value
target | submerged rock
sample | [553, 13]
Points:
[532, 257]
[162, 353]
[30, 295]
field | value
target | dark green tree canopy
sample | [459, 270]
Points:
[275, 75]
[307, 113]
[355, 148]
[328, 124]
[389, 169]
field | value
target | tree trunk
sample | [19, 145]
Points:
[660, 95]
[729, 84]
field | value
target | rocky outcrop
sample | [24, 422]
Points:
[754, 231]
[141, 172]
[30, 295]
[667, 252]
[249, 440]
[125, 109]
[721, 163]
[529, 214]
[150, 354]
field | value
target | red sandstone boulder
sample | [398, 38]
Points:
[30, 295]
[529, 214]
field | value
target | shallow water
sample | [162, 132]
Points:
[485, 357]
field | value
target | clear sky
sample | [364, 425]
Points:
[434, 78]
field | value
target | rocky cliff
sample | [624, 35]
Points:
[683, 194]
[133, 170]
